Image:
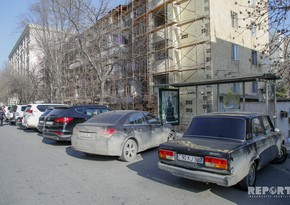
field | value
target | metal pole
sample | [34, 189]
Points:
[196, 101]
[244, 97]
[267, 98]
[217, 97]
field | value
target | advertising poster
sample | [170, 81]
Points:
[169, 105]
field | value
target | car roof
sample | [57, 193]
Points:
[244, 115]
[89, 105]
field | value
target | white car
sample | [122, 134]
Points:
[16, 112]
[33, 112]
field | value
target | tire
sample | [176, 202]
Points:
[283, 157]
[171, 136]
[250, 179]
[129, 150]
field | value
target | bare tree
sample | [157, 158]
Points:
[52, 29]
[21, 88]
[272, 16]
[91, 25]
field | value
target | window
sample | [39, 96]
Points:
[252, 3]
[152, 119]
[257, 128]
[254, 86]
[268, 126]
[253, 29]
[236, 88]
[137, 119]
[235, 52]
[234, 18]
[254, 58]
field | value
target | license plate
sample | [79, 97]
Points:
[48, 123]
[40, 121]
[189, 158]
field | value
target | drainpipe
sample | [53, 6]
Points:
[267, 98]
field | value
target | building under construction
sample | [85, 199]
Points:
[162, 42]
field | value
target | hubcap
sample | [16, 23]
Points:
[130, 150]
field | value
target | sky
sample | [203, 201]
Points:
[10, 11]
[9, 22]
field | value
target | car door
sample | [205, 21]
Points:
[262, 141]
[273, 139]
[142, 130]
[158, 134]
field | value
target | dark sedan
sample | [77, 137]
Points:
[59, 123]
[224, 148]
[121, 133]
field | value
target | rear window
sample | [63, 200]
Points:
[231, 128]
[59, 111]
[27, 108]
[13, 108]
[42, 108]
[23, 108]
[108, 117]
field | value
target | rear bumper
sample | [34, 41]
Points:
[207, 177]
[54, 136]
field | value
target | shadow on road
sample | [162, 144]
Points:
[271, 175]
[55, 143]
[80, 155]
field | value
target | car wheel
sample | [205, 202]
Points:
[283, 156]
[171, 136]
[129, 151]
[250, 179]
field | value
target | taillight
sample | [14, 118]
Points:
[214, 162]
[110, 131]
[63, 119]
[30, 111]
[166, 154]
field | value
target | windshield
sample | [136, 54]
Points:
[221, 127]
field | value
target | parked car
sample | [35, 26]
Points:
[33, 112]
[19, 123]
[121, 133]
[6, 108]
[15, 112]
[224, 148]
[8, 113]
[44, 114]
[59, 123]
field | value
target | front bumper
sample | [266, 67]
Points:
[202, 176]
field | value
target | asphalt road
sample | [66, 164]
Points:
[34, 170]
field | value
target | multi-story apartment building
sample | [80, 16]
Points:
[25, 55]
[153, 44]
[25, 59]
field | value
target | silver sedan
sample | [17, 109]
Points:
[122, 133]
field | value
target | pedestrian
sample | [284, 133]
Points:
[2, 115]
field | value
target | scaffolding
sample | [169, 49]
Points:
[155, 42]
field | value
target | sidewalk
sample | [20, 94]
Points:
[287, 144]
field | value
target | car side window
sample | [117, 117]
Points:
[136, 119]
[92, 111]
[151, 119]
[267, 125]
[104, 110]
[257, 127]
[79, 110]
